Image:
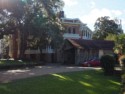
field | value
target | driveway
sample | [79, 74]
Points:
[10, 75]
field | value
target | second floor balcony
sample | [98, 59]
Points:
[70, 35]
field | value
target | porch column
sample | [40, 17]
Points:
[10, 46]
[18, 43]
[101, 53]
[77, 56]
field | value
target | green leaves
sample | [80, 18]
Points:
[33, 17]
[104, 26]
[120, 43]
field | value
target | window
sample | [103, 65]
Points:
[85, 33]
[74, 30]
[69, 30]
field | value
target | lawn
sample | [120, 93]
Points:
[84, 82]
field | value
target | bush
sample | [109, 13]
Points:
[122, 64]
[122, 61]
[107, 64]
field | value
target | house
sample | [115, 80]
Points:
[75, 29]
[76, 32]
[76, 51]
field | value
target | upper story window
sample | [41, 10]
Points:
[69, 30]
[74, 30]
[85, 33]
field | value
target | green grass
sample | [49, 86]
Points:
[85, 82]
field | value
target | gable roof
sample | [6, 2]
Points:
[91, 44]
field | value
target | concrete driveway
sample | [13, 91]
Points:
[10, 75]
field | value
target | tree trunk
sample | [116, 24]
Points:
[23, 43]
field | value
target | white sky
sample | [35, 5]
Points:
[89, 10]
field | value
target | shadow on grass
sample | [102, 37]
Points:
[91, 82]
[85, 82]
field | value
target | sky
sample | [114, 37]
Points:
[89, 10]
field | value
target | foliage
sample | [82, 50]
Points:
[84, 82]
[112, 37]
[122, 63]
[5, 47]
[32, 17]
[120, 43]
[107, 63]
[104, 26]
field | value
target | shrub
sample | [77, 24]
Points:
[107, 64]
[122, 61]
[122, 64]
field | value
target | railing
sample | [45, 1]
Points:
[68, 35]
[48, 50]
[71, 21]
[29, 51]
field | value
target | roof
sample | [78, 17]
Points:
[92, 44]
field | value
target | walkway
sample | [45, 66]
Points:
[10, 75]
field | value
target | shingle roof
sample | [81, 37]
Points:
[91, 44]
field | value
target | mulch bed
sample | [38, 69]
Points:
[16, 66]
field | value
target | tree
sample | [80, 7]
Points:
[120, 43]
[104, 26]
[111, 37]
[32, 17]
[45, 23]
